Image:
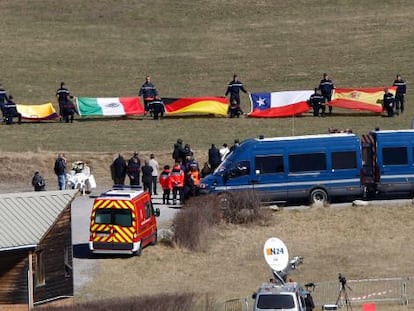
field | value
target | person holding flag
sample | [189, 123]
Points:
[327, 87]
[149, 93]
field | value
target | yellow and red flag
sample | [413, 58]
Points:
[196, 105]
[368, 99]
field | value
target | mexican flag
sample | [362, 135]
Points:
[109, 106]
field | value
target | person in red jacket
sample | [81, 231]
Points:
[165, 182]
[177, 182]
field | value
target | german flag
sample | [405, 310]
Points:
[196, 105]
[368, 99]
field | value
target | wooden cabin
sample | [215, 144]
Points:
[35, 248]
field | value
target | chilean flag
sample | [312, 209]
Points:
[279, 104]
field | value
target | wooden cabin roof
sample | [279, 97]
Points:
[26, 217]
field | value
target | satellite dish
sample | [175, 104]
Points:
[276, 254]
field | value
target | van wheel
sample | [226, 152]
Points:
[155, 239]
[319, 196]
[139, 250]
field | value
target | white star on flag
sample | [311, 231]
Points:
[261, 102]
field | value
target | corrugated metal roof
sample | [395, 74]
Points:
[25, 217]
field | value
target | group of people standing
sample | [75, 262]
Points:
[147, 173]
[394, 105]
[322, 97]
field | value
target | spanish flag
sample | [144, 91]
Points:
[196, 105]
[368, 99]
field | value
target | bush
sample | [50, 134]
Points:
[193, 222]
[241, 207]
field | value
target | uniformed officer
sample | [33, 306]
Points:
[63, 97]
[11, 112]
[149, 93]
[400, 93]
[317, 102]
[233, 88]
[327, 86]
[3, 99]
[388, 102]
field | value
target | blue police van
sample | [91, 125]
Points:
[310, 168]
[388, 163]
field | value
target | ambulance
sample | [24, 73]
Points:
[123, 221]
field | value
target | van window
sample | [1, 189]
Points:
[103, 216]
[394, 156]
[241, 168]
[344, 160]
[307, 162]
[123, 217]
[269, 164]
[120, 217]
[275, 302]
[149, 211]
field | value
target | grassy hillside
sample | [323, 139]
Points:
[192, 48]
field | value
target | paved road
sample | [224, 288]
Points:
[81, 211]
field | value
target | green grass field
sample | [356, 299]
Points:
[192, 48]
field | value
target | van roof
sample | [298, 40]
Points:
[270, 288]
[122, 193]
[306, 137]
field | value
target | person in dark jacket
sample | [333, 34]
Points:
[149, 92]
[178, 151]
[11, 112]
[63, 97]
[157, 108]
[133, 171]
[317, 102]
[147, 177]
[135, 164]
[326, 86]
[233, 88]
[118, 170]
[214, 157]
[3, 99]
[60, 171]
[388, 102]
[400, 94]
[38, 182]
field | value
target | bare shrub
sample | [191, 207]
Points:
[193, 222]
[241, 207]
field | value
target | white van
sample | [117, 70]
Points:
[287, 297]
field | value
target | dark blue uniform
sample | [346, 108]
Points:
[3, 99]
[326, 87]
[11, 112]
[388, 103]
[149, 93]
[317, 102]
[62, 95]
[400, 93]
[233, 88]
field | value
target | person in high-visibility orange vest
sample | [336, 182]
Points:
[177, 182]
[165, 182]
[192, 183]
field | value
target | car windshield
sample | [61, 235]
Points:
[275, 302]
[224, 166]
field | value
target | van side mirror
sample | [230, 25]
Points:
[254, 295]
[157, 212]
